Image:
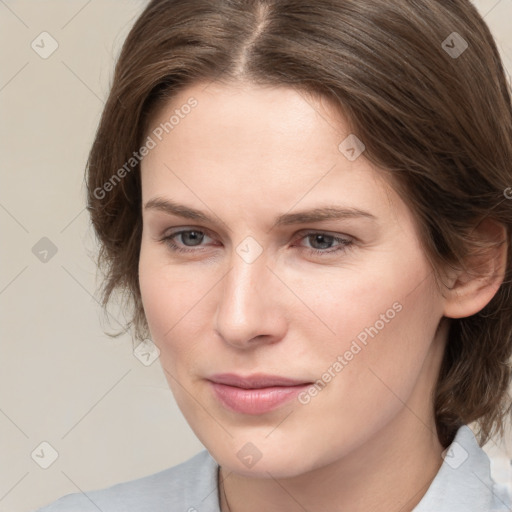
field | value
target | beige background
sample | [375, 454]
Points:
[62, 380]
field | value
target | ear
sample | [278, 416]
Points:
[470, 290]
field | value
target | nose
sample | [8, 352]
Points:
[249, 312]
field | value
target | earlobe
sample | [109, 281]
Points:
[471, 289]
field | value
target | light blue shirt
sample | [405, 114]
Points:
[462, 484]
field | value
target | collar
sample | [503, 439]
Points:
[464, 482]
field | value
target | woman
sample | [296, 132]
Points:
[308, 204]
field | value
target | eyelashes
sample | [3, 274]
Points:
[343, 244]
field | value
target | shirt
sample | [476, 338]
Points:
[462, 484]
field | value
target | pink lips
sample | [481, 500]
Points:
[255, 394]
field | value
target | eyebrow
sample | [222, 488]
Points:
[302, 217]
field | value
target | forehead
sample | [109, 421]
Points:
[246, 142]
[257, 117]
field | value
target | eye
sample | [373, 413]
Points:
[194, 237]
[324, 239]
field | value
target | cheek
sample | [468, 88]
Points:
[381, 362]
[384, 320]
[175, 301]
[350, 303]
[166, 297]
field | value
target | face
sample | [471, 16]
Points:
[243, 270]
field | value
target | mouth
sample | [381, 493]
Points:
[255, 394]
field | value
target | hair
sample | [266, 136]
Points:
[439, 124]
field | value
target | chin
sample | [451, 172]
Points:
[270, 466]
[263, 458]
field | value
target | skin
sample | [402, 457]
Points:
[244, 155]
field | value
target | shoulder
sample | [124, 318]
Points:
[464, 482]
[190, 486]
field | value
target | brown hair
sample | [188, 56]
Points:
[436, 118]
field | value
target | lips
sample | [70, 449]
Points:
[255, 394]
[258, 380]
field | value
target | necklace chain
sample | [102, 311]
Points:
[224, 492]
